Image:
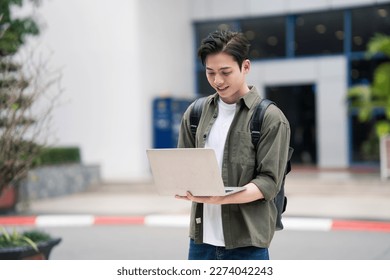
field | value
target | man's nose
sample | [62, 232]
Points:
[218, 80]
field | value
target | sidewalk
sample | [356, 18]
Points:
[339, 195]
[325, 196]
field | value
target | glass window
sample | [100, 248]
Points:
[368, 21]
[266, 35]
[362, 71]
[202, 30]
[319, 33]
[203, 86]
[365, 143]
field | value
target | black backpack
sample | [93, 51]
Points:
[255, 127]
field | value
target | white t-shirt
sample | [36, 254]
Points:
[212, 219]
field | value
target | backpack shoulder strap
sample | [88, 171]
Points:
[256, 123]
[257, 119]
[195, 114]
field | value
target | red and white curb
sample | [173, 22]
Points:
[290, 223]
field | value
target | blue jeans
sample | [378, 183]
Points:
[210, 252]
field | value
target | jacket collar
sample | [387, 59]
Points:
[249, 99]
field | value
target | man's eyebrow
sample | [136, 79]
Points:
[222, 68]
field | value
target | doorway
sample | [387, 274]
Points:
[299, 105]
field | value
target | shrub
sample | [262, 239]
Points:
[58, 155]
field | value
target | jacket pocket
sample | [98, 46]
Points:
[243, 151]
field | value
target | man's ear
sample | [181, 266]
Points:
[246, 66]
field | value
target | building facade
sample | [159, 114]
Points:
[118, 56]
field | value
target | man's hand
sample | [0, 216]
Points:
[203, 199]
[251, 193]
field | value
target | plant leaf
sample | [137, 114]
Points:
[382, 128]
[31, 243]
[380, 43]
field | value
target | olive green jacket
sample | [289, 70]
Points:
[248, 224]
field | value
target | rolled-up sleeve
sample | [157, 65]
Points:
[272, 153]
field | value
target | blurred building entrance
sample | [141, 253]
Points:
[298, 104]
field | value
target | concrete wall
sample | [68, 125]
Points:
[115, 56]
[166, 66]
[93, 43]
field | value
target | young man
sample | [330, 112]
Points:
[241, 225]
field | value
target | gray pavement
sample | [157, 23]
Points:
[326, 194]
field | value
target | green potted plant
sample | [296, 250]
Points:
[368, 99]
[27, 245]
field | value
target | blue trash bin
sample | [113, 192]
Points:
[167, 114]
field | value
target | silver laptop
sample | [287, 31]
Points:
[176, 171]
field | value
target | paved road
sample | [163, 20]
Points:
[171, 243]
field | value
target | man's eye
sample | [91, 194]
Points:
[226, 73]
[210, 73]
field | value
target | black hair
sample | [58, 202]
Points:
[229, 42]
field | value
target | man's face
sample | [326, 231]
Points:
[225, 76]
